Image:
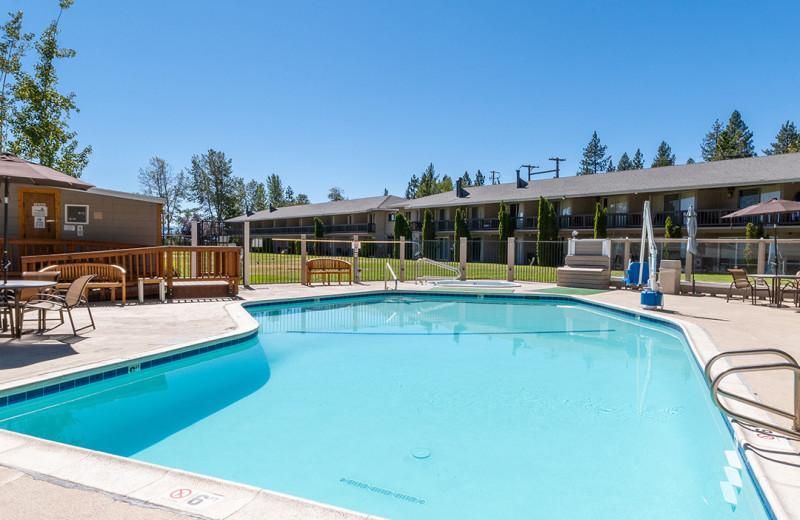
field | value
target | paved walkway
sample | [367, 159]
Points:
[131, 331]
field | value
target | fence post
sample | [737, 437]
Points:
[511, 258]
[762, 248]
[402, 276]
[246, 252]
[303, 248]
[462, 257]
[193, 258]
[356, 271]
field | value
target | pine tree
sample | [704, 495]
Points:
[480, 180]
[638, 160]
[734, 142]
[466, 180]
[741, 136]
[708, 147]
[427, 182]
[624, 163]
[385, 192]
[413, 186]
[787, 140]
[445, 185]
[275, 194]
[664, 156]
[610, 165]
[600, 221]
[428, 232]
[594, 157]
[690, 161]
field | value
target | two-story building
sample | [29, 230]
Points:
[713, 188]
[366, 218]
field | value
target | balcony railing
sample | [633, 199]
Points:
[309, 230]
[705, 218]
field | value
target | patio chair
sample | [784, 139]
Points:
[741, 281]
[791, 286]
[72, 298]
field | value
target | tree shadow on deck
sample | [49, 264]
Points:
[35, 348]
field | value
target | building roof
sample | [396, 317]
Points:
[123, 195]
[752, 171]
[339, 207]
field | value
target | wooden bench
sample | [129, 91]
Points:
[326, 267]
[107, 276]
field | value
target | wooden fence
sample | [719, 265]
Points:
[173, 263]
[20, 247]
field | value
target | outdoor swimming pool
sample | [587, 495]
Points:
[428, 406]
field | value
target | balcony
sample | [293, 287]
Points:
[705, 218]
[309, 230]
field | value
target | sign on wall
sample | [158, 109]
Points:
[39, 210]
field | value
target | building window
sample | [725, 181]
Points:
[672, 202]
[76, 214]
[391, 217]
[475, 213]
[748, 197]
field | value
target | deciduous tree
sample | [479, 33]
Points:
[158, 179]
[39, 117]
[335, 194]
[213, 185]
[13, 44]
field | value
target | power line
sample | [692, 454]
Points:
[529, 167]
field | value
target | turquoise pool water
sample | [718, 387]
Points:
[432, 407]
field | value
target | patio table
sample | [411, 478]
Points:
[17, 286]
[776, 282]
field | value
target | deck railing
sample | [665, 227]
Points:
[173, 263]
[20, 247]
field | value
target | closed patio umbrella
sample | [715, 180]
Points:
[14, 169]
[691, 246]
[771, 207]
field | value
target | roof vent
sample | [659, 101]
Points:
[272, 208]
[520, 182]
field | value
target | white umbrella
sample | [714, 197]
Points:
[691, 246]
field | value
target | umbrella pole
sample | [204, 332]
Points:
[775, 233]
[5, 234]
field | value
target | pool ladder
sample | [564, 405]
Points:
[789, 364]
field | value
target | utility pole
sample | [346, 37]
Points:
[498, 176]
[557, 160]
[529, 167]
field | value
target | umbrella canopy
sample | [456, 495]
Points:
[14, 169]
[770, 207]
[19, 170]
[691, 225]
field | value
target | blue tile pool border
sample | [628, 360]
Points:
[49, 387]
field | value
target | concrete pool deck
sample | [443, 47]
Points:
[38, 480]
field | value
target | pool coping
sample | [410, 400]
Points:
[150, 484]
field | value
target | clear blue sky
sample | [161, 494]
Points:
[364, 94]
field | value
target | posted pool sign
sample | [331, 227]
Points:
[192, 497]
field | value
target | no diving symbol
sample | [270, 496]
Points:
[180, 493]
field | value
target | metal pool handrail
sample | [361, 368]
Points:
[417, 278]
[790, 365]
[386, 272]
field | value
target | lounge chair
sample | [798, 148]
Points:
[72, 298]
[741, 281]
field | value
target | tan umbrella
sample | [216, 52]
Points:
[14, 169]
[770, 207]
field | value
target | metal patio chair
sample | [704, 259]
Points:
[72, 298]
[741, 281]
